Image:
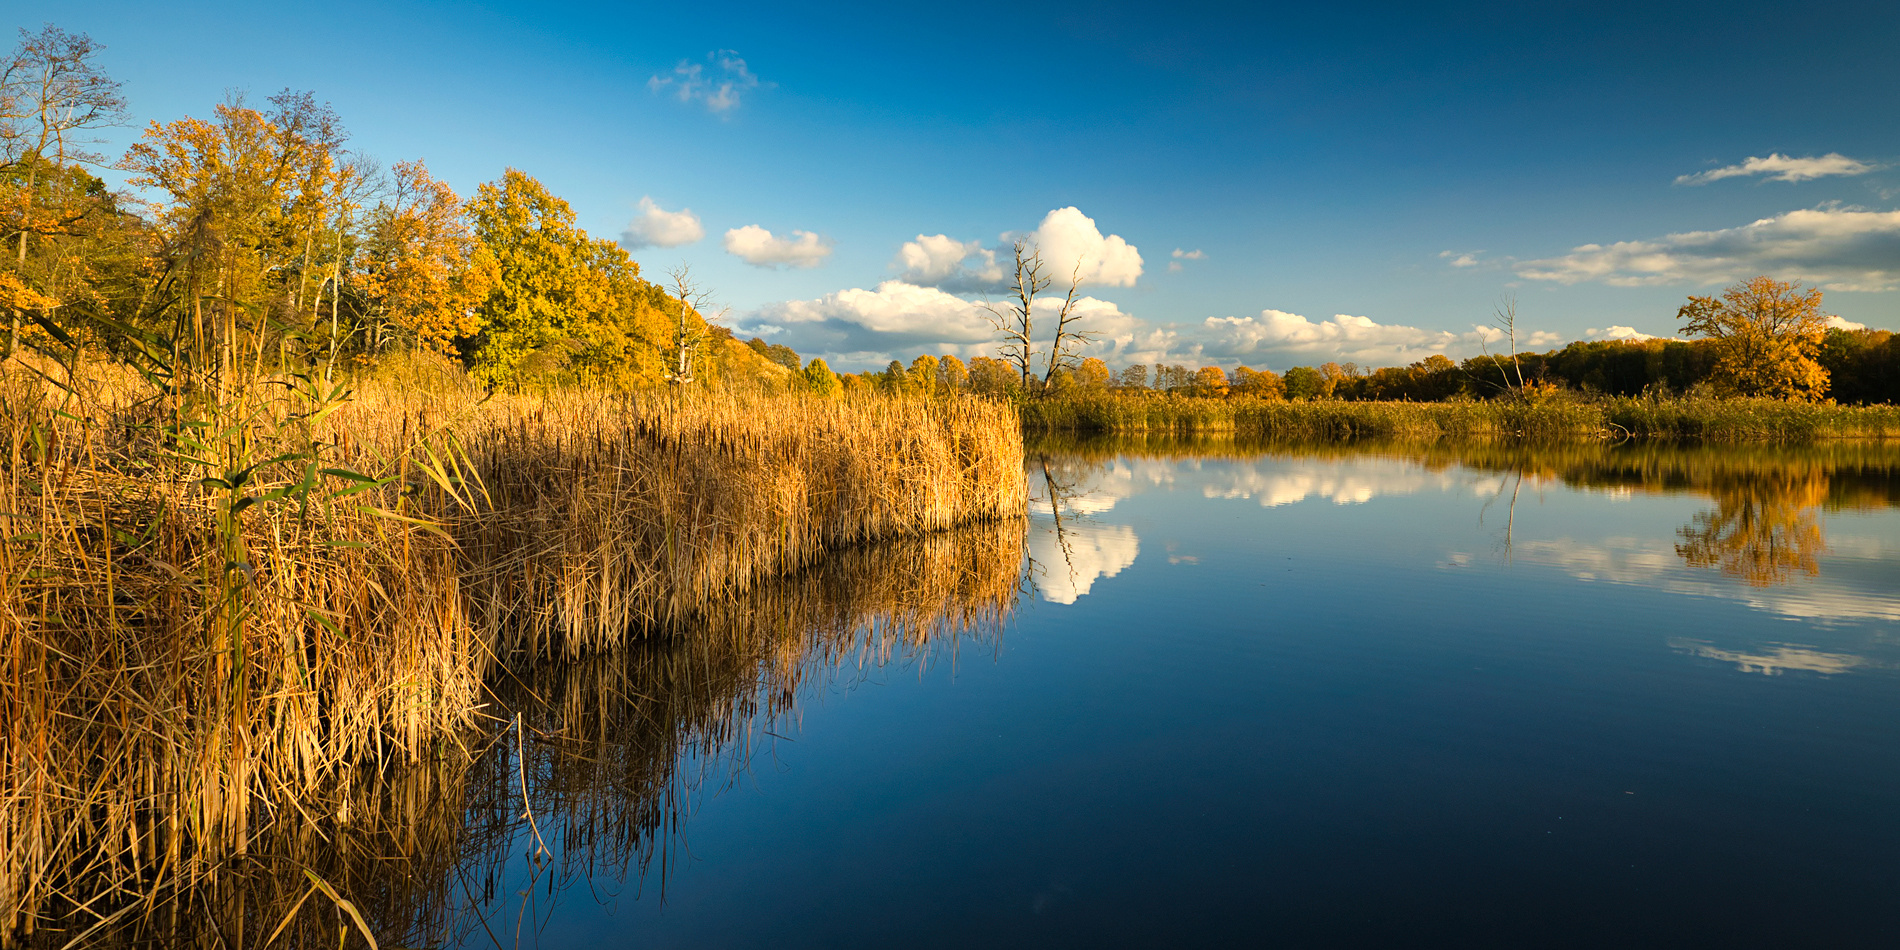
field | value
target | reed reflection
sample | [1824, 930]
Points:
[578, 787]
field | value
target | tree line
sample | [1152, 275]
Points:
[1760, 338]
[257, 235]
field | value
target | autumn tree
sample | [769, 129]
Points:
[818, 378]
[776, 352]
[1210, 381]
[422, 270]
[1260, 384]
[52, 96]
[1768, 333]
[572, 301]
[952, 376]
[1305, 382]
[1133, 377]
[1092, 375]
[249, 207]
[530, 235]
[992, 376]
[922, 376]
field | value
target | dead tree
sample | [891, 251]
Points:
[1065, 349]
[1015, 320]
[688, 339]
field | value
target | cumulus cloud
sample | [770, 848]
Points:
[900, 319]
[1838, 248]
[761, 248]
[1281, 336]
[1779, 167]
[1070, 242]
[1618, 333]
[861, 326]
[719, 88]
[655, 226]
[1461, 258]
[1842, 323]
[938, 260]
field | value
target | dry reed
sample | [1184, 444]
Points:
[222, 624]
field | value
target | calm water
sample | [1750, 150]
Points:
[1470, 697]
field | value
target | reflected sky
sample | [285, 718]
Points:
[1770, 528]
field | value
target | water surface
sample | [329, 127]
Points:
[1308, 697]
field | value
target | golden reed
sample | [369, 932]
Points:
[187, 674]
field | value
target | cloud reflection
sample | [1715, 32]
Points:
[1782, 658]
[1343, 482]
[1084, 552]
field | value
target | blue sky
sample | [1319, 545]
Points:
[1362, 181]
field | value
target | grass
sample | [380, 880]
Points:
[1554, 417]
[234, 612]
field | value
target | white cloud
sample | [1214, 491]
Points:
[1289, 336]
[1194, 255]
[938, 260]
[1779, 167]
[1461, 258]
[720, 89]
[761, 248]
[1842, 323]
[869, 326]
[1618, 333]
[1838, 248]
[1071, 245]
[655, 226]
[900, 319]
[1174, 267]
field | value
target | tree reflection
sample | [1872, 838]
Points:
[1765, 528]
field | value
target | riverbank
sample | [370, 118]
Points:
[224, 612]
[1555, 417]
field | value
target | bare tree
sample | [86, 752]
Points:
[51, 90]
[1015, 320]
[688, 339]
[1504, 317]
[1065, 349]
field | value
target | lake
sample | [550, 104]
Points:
[1230, 693]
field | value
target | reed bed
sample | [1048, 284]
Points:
[612, 517]
[1559, 416]
[229, 613]
[594, 764]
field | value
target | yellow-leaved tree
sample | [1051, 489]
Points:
[422, 270]
[1767, 333]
